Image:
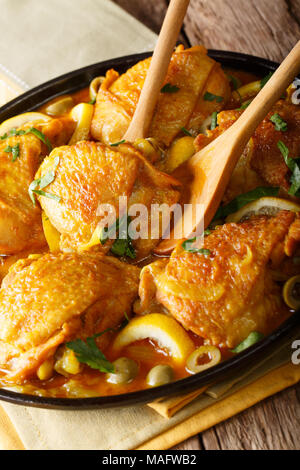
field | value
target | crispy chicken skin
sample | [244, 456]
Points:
[228, 294]
[89, 174]
[20, 221]
[262, 162]
[190, 70]
[49, 300]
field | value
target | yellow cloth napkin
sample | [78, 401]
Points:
[44, 39]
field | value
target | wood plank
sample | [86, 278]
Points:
[244, 26]
[190, 444]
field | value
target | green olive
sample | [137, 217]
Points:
[94, 87]
[291, 292]
[125, 371]
[60, 106]
[194, 363]
[160, 375]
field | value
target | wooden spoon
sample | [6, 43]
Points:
[157, 71]
[211, 167]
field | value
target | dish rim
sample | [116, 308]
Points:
[74, 81]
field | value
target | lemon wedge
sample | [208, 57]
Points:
[263, 206]
[20, 120]
[51, 234]
[160, 328]
[82, 113]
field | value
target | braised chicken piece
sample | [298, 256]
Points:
[48, 300]
[227, 291]
[180, 105]
[262, 163]
[90, 174]
[20, 220]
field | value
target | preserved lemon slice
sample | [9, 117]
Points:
[20, 120]
[51, 234]
[82, 114]
[162, 329]
[263, 205]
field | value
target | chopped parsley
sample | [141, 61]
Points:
[211, 97]
[15, 151]
[169, 88]
[244, 105]
[187, 246]
[214, 120]
[87, 352]
[117, 143]
[31, 130]
[294, 165]
[265, 79]
[236, 83]
[279, 123]
[253, 338]
[185, 131]
[122, 246]
[40, 183]
[243, 199]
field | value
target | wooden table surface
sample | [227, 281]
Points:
[266, 28]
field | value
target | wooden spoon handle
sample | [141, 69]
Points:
[158, 70]
[244, 128]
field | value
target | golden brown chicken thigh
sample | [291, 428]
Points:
[49, 300]
[228, 292]
[89, 174]
[191, 73]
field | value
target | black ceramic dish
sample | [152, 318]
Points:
[70, 83]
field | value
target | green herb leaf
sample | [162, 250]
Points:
[117, 143]
[186, 132]
[235, 81]
[169, 88]
[206, 232]
[244, 105]
[48, 195]
[122, 246]
[280, 124]
[253, 338]
[31, 130]
[41, 136]
[187, 246]
[243, 199]
[93, 101]
[295, 182]
[265, 79]
[42, 182]
[211, 97]
[15, 151]
[214, 120]
[87, 352]
[294, 165]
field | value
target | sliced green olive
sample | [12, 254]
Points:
[291, 292]
[61, 106]
[94, 87]
[194, 363]
[125, 371]
[160, 375]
